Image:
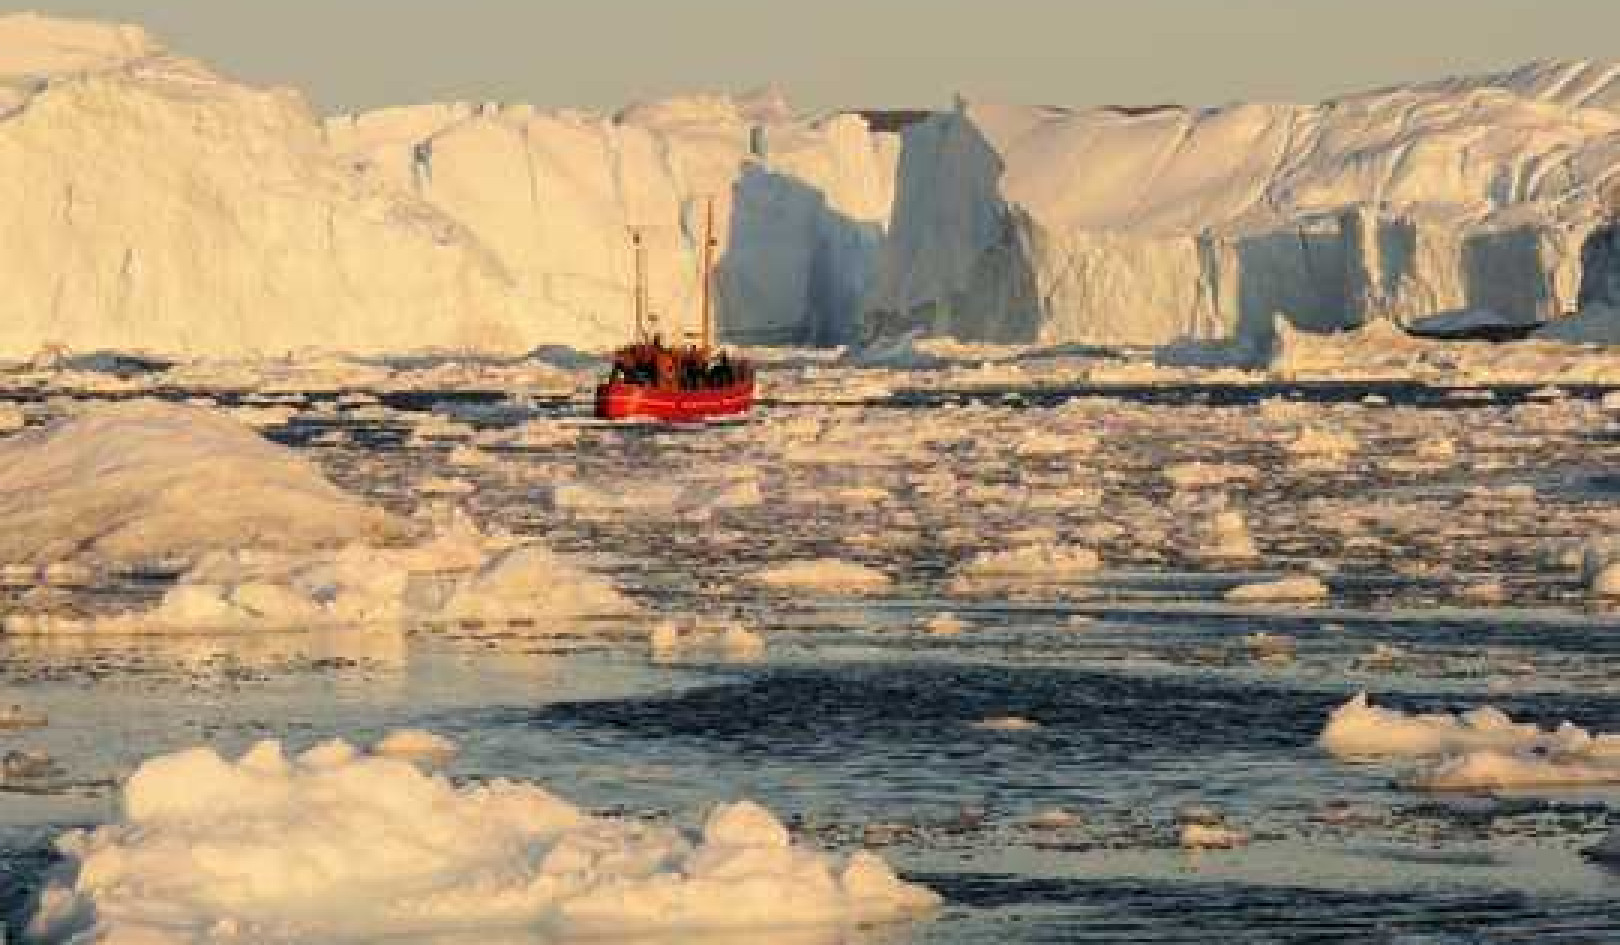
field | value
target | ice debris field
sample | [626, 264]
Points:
[920, 665]
[1179, 525]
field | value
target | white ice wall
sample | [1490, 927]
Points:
[1045, 225]
[552, 197]
[152, 204]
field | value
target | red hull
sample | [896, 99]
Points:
[623, 401]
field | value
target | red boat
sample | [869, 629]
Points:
[677, 385]
[617, 400]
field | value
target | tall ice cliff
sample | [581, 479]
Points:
[153, 204]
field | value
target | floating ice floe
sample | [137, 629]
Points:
[334, 844]
[1480, 749]
[1042, 561]
[1360, 729]
[415, 743]
[459, 576]
[1211, 837]
[944, 623]
[1299, 589]
[1007, 723]
[1228, 539]
[692, 499]
[1490, 769]
[1600, 566]
[15, 716]
[671, 638]
[1194, 474]
[1039, 443]
[1053, 818]
[445, 486]
[829, 574]
[28, 764]
[1315, 442]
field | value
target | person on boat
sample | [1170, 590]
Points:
[665, 376]
[721, 374]
[693, 373]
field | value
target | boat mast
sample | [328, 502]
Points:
[706, 274]
[642, 314]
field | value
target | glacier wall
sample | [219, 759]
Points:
[154, 205]
[1026, 225]
[551, 198]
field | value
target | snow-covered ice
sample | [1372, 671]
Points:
[1050, 225]
[1481, 749]
[144, 481]
[1360, 729]
[334, 843]
[449, 225]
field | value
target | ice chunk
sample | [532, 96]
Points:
[1228, 539]
[457, 576]
[1007, 723]
[1211, 837]
[138, 481]
[1048, 561]
[414, 743]
[829, 574]
[1288, 590]
[276, 849]
[1314, 442]
[1360, 729]
[1491, 769]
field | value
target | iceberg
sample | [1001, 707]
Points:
[156, 205]
[1115, 226]
[143, 481]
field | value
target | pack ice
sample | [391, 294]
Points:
[153, 204]
[262, 539]
[1484, 195]
[335, 844]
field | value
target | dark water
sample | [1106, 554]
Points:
[887, 740]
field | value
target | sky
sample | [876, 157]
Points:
[355, 54]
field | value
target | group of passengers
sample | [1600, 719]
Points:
[687, 368]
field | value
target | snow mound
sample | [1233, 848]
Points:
[142, 480]
[334, 844]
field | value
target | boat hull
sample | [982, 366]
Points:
[626, 401]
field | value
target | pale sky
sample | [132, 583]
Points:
[352, 54]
